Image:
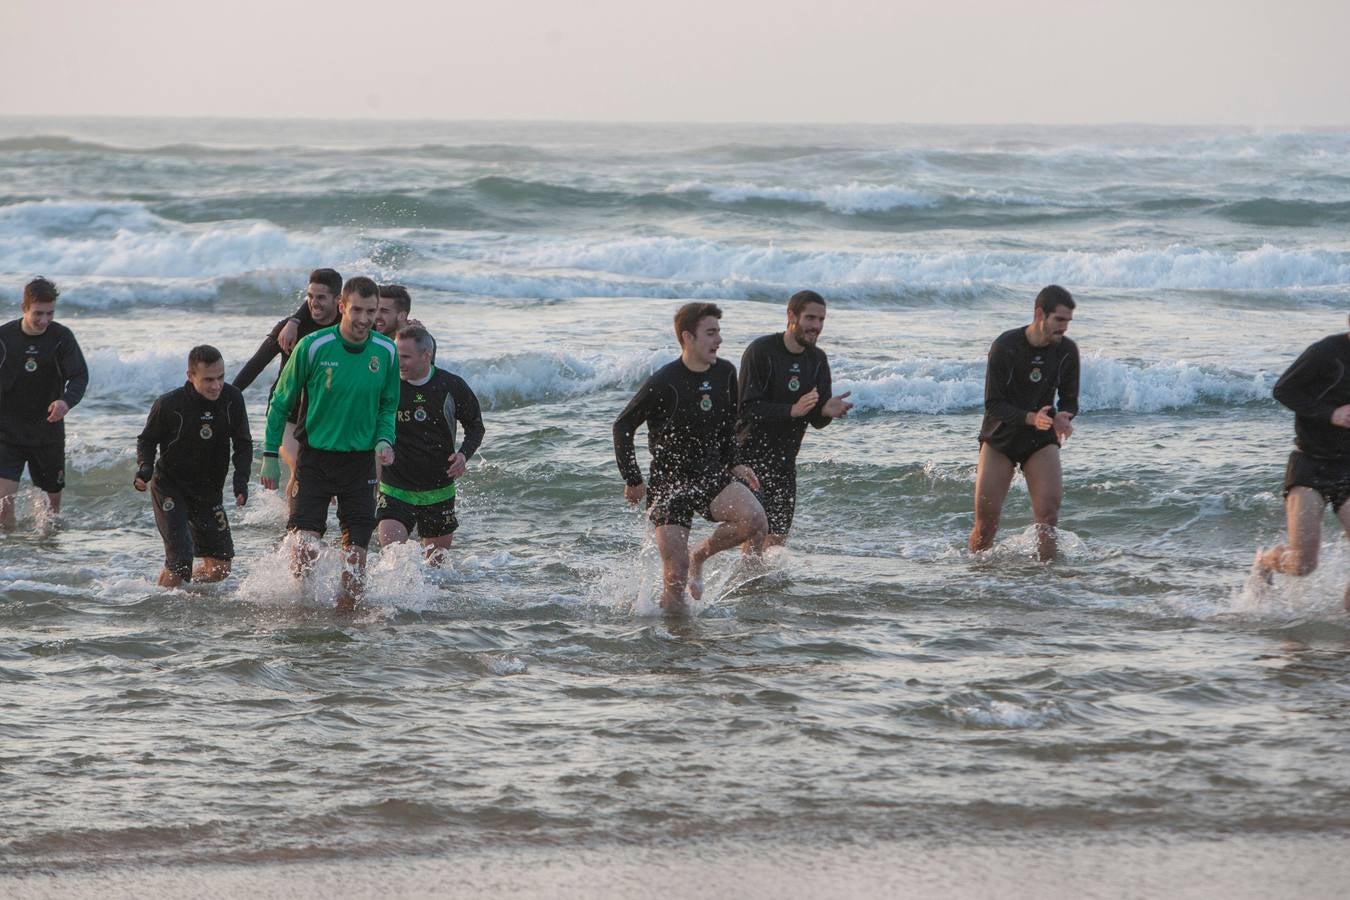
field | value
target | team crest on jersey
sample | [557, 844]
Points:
[30, 365]
[206, 432]
[420, 414]
[794, 383]
[374, 364]
[706, 403]
[1035, 376]
[167, 506]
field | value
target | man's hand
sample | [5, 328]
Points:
[384, 453]
[139, 484]
[805, 403]
[1341, 416]
[270, 472]
[1041, 420]
[241, 499]
[747, 474]
[634, 492]
[57, 410]
[837, 407]
[458, 465]
[289, 334]
[1063, 426]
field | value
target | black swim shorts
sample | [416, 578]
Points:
[678, 502]
[46, 465]
[1329, 477]
[322, 475]
[190, 527]
[431, 521]
[777, 494]
[1020, 443]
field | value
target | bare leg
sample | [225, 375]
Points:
[353, 579]
[673, 543]
[168, 579]
[1303, 515]
[8, 489]
[302, 558]
[437, 549]
[55, 501]
[1343, 514]
[740, 519]
[391, 531]
[209, 570]
[1045, 484]
[993, 477]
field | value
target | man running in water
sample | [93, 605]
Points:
[1027, 368]
[194, 428]
[42, 376]
[785, 383]
[689, 406]
[318, 311]
[418, 491]
[343, 381]
[1317, 388]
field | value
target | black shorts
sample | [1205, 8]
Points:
[777, 494]
[677, 503]
[46, 465]
[432, 520]
[190, 528]
[1329, 477]
[321, 475]
[1021, 442]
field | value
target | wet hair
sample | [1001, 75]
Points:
[802, 299]
[360, 286]
[329, 278]
[688, 316]
[1052, 298]
[39, 290]
[202, 355]
[419, 336]
[399, 294]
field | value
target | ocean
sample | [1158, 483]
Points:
[880, 712]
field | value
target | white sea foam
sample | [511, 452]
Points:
[853, 197]
[1003, 714]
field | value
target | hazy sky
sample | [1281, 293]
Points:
[1053, 61]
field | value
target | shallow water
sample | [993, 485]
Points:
[876, 684]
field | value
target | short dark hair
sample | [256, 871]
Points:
[399, 294]
[1052, 297]
[688, 316]
[39, 290]
[202, 355]
[329, 278]
[419, 336]
[360, 286]
[802, 299]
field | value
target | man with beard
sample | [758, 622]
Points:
[785, 384]
[1022, 427]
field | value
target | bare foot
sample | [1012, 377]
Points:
[1267, 562]
[695, 582]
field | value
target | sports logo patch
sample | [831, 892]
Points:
[794, 383]
[1035, 376]
[420, 414]
[30, 365]
[206, 432]
[167, 505]
[375, 364]
[706, 403]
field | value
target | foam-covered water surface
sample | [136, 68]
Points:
[871, 684]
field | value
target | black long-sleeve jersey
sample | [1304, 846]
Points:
[1021, 378]
[1317, 383]
[269, 349]
[691, 424]
[425, 425]
[772, 380]
[194, 437]
[36, 370]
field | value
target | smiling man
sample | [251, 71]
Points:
[343, 381]
[689, 406]
[193, 430]
[1022, 426]
[785, 384]
[42, 375]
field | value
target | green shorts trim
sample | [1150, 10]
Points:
[420, 498]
